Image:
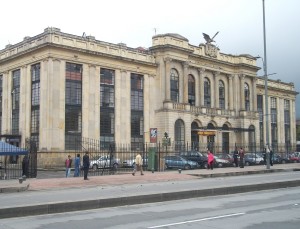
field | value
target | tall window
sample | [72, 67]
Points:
[137, 111]
[247, 97]
[252, 142]
[174, 85]
[287, 125]
[73, 106]
[207, 96]
[221, 94]
[35, 102]
[260, 110]
[194, 135]
[191, 90]
[274, 122]
[15, 101]
[225, 139]
[107, 106]
[179, 135]
[1, 89]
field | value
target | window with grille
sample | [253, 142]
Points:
[137, 111]
[207, 95]
[179, 135]
[247, 97]
[274, 129]
[287, 124]
[107, 106]
[73, 104]
[35, 102]
[15, 101]
[174, 78]
[221, 95]
[191, 90]
[260, 105]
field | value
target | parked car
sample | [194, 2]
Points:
[196, 156]
[98, 162]
[0, 164]
[223, 160]
[253, 159]
[295, 157]
[280, 159]
[131, 162]
[180, 163]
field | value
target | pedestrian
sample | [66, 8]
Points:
[235, 157]
[271, 157]
[241, 154]
[25, 166]
[68, 164]
[138, 164]
[77, 166]
[210, 160]
[86, 165]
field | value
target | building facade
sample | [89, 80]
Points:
[57, 87]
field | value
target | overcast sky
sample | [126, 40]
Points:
[134, 22]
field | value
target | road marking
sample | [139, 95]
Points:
[198, 220]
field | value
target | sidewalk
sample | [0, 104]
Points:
[45, 196]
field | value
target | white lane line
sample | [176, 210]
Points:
[198, 220]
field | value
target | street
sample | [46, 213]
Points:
[274, 209]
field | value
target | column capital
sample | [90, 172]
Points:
[216, 73]
[186, 64]
[167, 59]
[92, 66]
[201, 70]
[242, 76]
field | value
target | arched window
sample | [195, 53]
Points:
[211, 138]
[191, 90]
[207, 96]
[174, 85]
[221, 95]
[247, 97]
[179, 135]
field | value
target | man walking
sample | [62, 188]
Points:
[138, 164]
[68, 164]
[86, 165]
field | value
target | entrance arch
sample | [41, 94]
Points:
[194, 135]
[225, 139]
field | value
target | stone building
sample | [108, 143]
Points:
[57, 87]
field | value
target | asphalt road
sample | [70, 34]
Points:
[275, 209]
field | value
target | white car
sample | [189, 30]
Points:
[104, 162]
[131, 162]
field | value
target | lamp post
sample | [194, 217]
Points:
[266, 89]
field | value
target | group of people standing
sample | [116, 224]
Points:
[77, 165]
[238, 157]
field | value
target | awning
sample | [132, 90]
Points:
[207, 132]
[7, 149]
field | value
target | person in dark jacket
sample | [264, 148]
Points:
[235, 157]
[86, 165]
[25, 166]
[241, 154]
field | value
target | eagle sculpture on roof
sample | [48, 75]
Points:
[208, 39]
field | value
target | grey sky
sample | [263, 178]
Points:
[239, 22]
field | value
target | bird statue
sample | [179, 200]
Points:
[208, 39]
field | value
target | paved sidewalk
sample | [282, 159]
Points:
[45, 196]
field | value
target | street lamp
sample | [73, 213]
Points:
[266, 89]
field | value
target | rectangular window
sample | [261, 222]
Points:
[73, 105]
[137, 110]
[15, 101]
[107, 107]
[35, 103]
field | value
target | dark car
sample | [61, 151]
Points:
[196, 156]
[280, 159]
[224, 160]
[295, 157]
[180, 163]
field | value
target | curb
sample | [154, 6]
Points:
[60, 207]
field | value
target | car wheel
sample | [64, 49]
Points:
[283, 161]
[205, 165]
[187, 166]
[167, 167]
[115, 166]
[95, 167]
[133, 164]
[247, 163]
[220, 165]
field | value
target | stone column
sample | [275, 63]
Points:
[230, 92]
[254, 95]
[216, 90]
[201, 87]
[185, 82]
[6, 102]
[90, 101]
[242, 95]
[118, 105]
[293, 121]
[167, 79]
